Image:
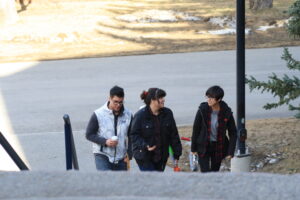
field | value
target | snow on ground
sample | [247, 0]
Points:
[223, 22]
[227, 31]
[148, 16]
[265, 28]
[278, 24]
[228, 24]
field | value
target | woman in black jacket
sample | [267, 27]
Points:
[153, 131]
[213, 119]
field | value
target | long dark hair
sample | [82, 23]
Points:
[152, 94]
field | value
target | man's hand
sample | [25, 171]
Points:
[151, 148]
[111, 143]
[194, 153]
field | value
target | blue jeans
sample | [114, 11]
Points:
[151, 166]
[103, 164]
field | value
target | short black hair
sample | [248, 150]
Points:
[215, 92]
[116, 91]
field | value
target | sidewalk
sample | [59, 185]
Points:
[43, 159]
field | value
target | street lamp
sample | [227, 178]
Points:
[241, 162]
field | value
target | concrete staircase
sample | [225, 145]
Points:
[41, 185]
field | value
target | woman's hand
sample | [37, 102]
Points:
[151, 148]
[228, 157]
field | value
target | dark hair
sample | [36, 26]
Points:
[116, 91]
[152, 94]
[215, 92]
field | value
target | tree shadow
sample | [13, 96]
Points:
[145, 29]
[164, 45]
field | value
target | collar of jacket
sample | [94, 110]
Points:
[149, 112]
[204, 108]
[110, 111]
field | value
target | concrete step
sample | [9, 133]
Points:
[39, 185]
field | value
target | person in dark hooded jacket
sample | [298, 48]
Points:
[153, 131]
[213, 120]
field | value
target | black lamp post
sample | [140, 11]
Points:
[240, 40]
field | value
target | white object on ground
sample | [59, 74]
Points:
[194, 164]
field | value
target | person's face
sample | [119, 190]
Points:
[116, 103]
[212, 101]
[159, 103]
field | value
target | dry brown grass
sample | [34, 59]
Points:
[90, 29]
[265, 137]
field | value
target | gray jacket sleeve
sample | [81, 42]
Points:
[91, 131]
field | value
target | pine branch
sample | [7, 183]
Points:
[291, 62]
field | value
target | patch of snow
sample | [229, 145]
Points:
[260, 165]
[228, 25]
[187, 17]
[223, 22]
[273, 161]
[153, 15]
[202, 32]
[264, 28]
[279, 23]
[226, 31]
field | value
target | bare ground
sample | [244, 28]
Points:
[60, 29]
[277, 139]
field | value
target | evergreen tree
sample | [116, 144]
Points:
[286, 88]
[293, 27]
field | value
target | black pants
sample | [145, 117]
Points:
[147, 165]
[208, 161]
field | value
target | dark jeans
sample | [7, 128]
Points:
[103, 164]
[151, 166]
[208, 161]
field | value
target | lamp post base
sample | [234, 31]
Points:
[241, 163]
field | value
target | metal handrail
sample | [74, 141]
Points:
[12, 153]
[71, 156]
